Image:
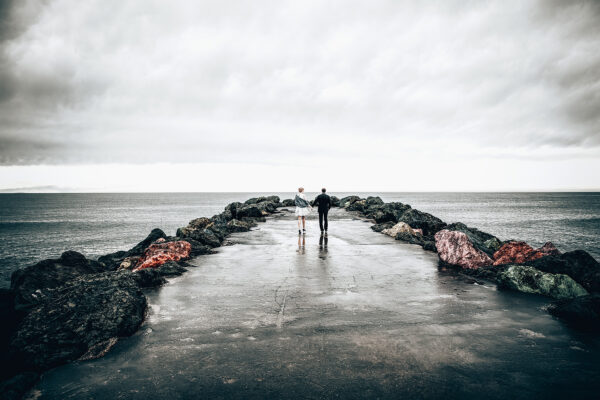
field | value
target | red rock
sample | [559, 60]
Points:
[455, 248]
[516, 253]
[549, 249]
[159, 253]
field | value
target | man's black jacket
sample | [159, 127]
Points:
[323, 201]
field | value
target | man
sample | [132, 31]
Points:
[323, 201]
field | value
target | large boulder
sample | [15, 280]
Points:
[258, 200]
[422, 220]
[530, 280]
[31, 284]
[520, 252]
[82, 319]
[455, 248]
[578, 264]
[581, 312]
[159, 253]
[481, 240]
[204, 236]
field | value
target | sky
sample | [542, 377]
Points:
[153, 95]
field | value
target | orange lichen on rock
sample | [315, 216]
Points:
[159, 253]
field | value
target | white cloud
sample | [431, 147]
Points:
[305, 84]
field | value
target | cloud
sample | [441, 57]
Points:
[297, 83]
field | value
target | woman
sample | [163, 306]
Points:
[302, 209]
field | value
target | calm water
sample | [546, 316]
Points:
[38, 226]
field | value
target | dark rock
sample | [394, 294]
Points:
[421, 220]
[171, 268]
[220, 229]
[84, 317]
[232, 208]
[429, 245]
[31, 284]
[198, 248]
[359, 205]
[248, 211]
[581, 312]
[578, 264]
[17, 386]
[384, 225]
[267, 207]
[149, 278]
[204, 236]
[238, 226]
[410, 238]
[374, 200]
[287, 203]
[335, 202]
[348, 200]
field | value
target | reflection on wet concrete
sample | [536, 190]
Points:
[353, 314]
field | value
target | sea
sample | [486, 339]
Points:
[39, 226]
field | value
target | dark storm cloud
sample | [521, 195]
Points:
[100, 81]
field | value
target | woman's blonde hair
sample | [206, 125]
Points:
[301, 189]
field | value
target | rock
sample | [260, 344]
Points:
[398, 228]
[232, 208]
[578, 264]
[347, 201]
[380, 227]
[335, 202]
[516, 253]
[31, 284]
[129, 262]
[247, 211]
[258, 200]
[205, 236]
[359, 205]
[421, 220]
[287, 203]
[198, 248]
[549, 249]
[238, 226]
[530, 280]
[455, 248]
[267, 207]
[159, 253]
[171, 269]
[429, 245]
[374, 200]
[581, 312]
[83, 316]
[409, 238]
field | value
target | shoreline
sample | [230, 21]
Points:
[39, 291]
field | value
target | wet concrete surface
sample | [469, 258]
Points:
[353, 315]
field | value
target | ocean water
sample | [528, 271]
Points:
[38, 226]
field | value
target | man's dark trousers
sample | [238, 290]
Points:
[323, 216]
[323, 201]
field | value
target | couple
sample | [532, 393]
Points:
[323, 201]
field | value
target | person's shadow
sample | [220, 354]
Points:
[323, 246]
